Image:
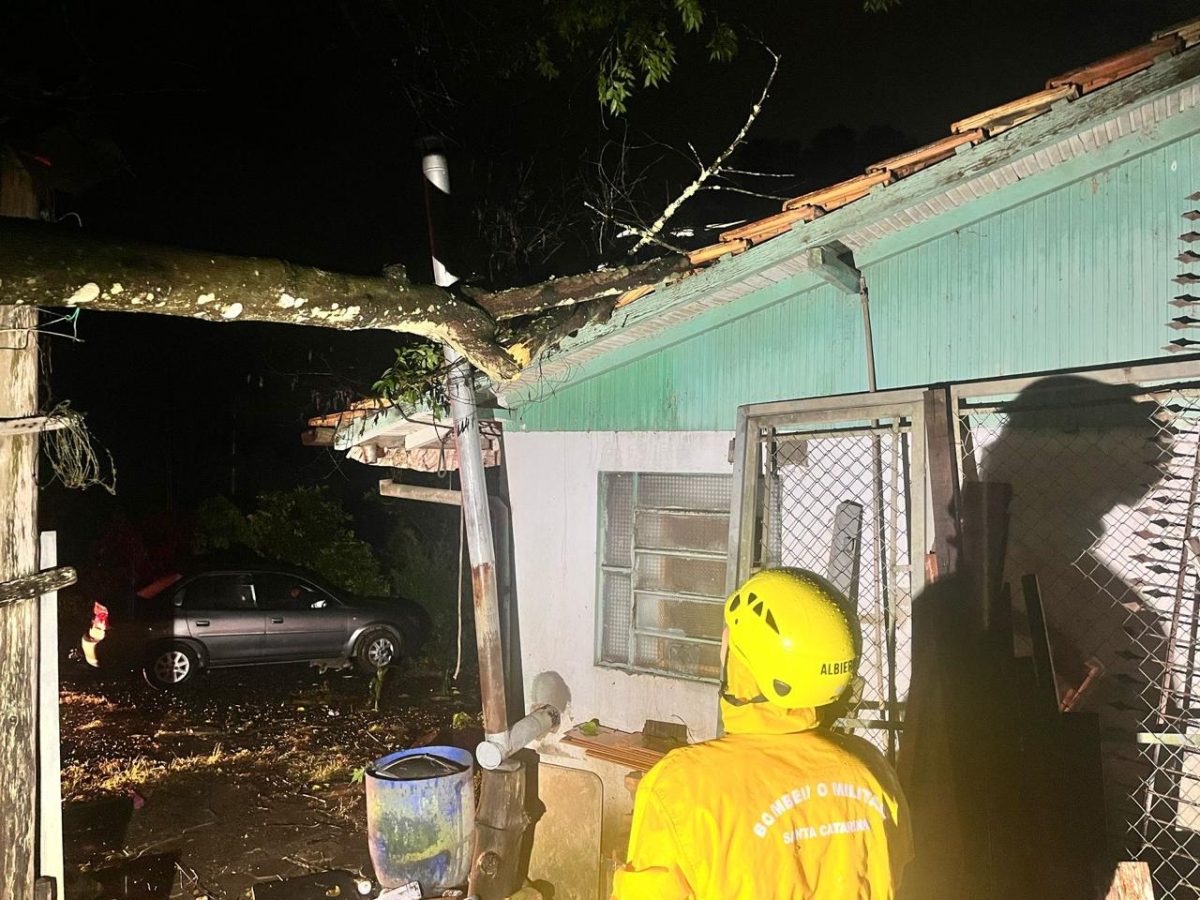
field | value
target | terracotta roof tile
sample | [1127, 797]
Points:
[840, 194]
[966, 132]
[1001, 118]
[1188, 32]
[915, 160]
[716, 251]
[1096, 75]
[764, 229]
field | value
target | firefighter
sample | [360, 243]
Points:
[779, 807]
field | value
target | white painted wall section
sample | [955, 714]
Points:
[554, 487]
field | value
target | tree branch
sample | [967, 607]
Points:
[714, 167]
[45, 265]
[41, 265]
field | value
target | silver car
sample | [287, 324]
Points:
[222, 617]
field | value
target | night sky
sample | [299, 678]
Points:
[291, 130]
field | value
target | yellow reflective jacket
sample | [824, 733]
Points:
[774, 810]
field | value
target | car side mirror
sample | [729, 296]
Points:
[319, 604]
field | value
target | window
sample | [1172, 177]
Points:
[663, 546]
[276, 590]
[214, 592]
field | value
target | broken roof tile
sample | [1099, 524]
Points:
[1001, 118]
[1188, 32]
[1096, 75]
[763, 229]
[716, 251]
[905, 164]
[840, 194]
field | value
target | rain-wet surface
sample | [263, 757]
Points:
[246, 776]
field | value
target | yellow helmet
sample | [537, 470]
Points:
[796, 634]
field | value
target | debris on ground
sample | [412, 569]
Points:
[240, 782]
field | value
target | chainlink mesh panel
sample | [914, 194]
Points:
[837, 503]
[1104, 512]
[663, 547]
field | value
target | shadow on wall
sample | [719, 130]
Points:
[1081, 458]
[1096, 473]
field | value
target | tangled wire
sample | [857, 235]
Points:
[72, 454]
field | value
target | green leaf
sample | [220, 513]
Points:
[691, 13]
[723, 45]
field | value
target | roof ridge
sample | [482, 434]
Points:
[966, 132]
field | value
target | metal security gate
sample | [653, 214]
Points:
[1105, 511]
[836, 486]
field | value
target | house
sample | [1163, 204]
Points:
[1013, 302]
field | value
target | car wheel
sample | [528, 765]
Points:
[171, 666]
[376, 649]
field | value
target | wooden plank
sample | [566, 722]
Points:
[836, 271]
[31, 425]
[322, 436]
[634, 294]
[1016, 112]
[50, 834]
[30, 586]
[943, 479]
[1131, 881]
[845, 549]
[1043, 658]
[389, 488]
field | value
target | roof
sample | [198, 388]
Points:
[381, 433]
[1077, 114]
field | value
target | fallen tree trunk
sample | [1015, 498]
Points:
[574, 289]
[43, 265]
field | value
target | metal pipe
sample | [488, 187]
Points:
[460, 390]
[868, 339]
[491, 753]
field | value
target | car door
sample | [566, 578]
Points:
[303, 621]
[220, 612]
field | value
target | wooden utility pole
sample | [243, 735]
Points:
[18, 558]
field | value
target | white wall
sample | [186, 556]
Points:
[554, 486]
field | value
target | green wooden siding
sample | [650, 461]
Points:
[1080, 275]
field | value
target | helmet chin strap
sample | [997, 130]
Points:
[728, 697]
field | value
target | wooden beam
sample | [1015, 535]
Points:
[30, 586]
[31, 424]
[321, 436]
[50, 828]
[943, 479]
[389, 488]
[18, 556]
[825, 262]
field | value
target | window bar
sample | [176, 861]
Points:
[878, 573]
[892, 546]
[631, 654]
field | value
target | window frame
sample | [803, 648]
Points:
[603, 568]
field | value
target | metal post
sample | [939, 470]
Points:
[500, 820]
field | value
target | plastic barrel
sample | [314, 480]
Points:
[420, 826]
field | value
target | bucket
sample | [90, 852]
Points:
[421, 817]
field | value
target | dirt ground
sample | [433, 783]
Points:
[246, 777]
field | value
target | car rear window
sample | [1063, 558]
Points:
[218, 591]
[154, 588]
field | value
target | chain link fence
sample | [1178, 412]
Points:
[836, 500]
[1104, 512]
